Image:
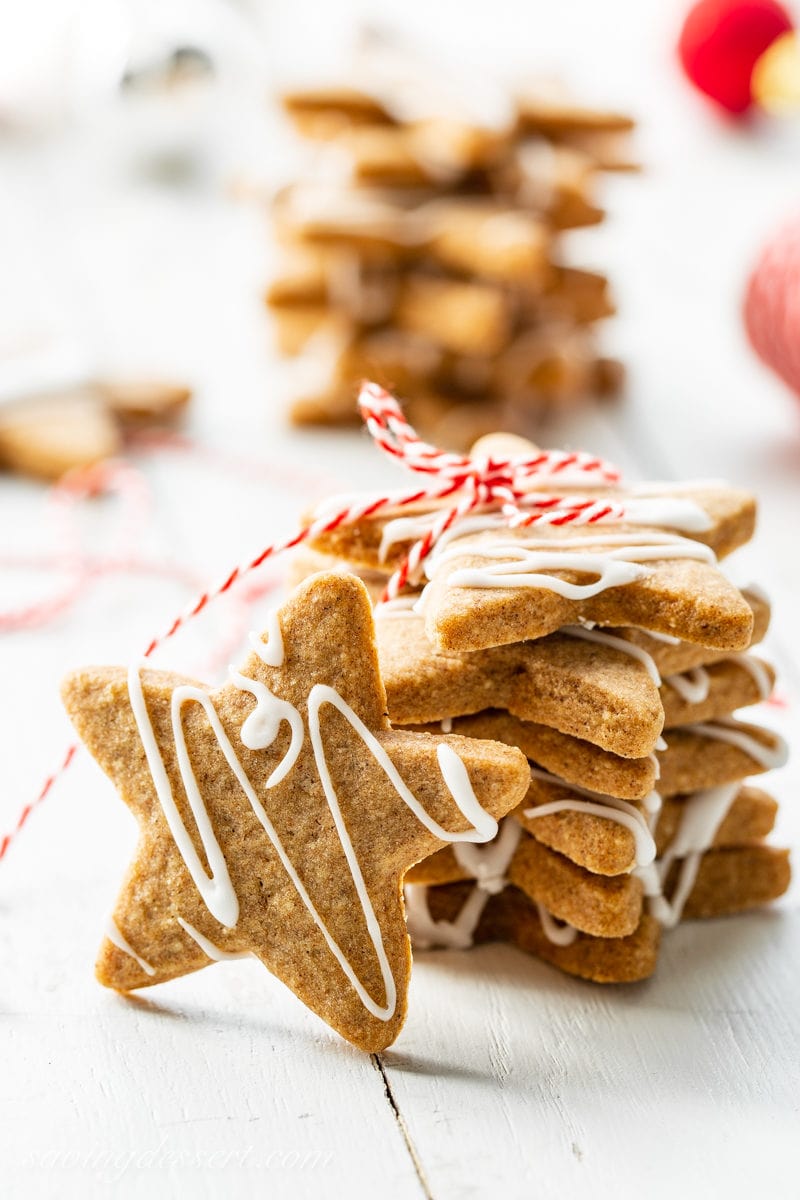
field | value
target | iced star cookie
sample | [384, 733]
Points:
[655, 568]
[599, 693]
[279, 813]
[586, 683]
[717, 690]
[528, 586]
[719, 517]
[674, 657]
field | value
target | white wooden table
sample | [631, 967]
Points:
[509, 1079]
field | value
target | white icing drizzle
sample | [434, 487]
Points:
[608, 807]
[216, 889]
[666, 511]
[488, 864]
[447, 724]
[400, 606]
[488, 867]
[661, 744]
[404, 529]
[560, 933]
[652, 803]
[725, 729]
[757, 671]
[270, 652]
[702, 816]
[113, 934]
[521, 563]
[616, 643]
[260, 728]
[672, 512]
[692, 686]
[258, 732]
[520, 568]
[647, 541]
[703, 813]
[425, 933]
[208, 947]
[667, 638]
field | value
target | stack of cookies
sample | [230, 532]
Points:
[614, 655]
[424, 249]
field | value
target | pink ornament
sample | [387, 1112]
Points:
[772, 304]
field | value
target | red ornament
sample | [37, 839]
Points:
[772, 304]
[722, 42]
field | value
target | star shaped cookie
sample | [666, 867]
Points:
[491, 585]
[599, 693]
[279, 813]
[589, 684]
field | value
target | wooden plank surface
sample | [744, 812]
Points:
[508, 1079]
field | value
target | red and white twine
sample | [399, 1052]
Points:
[498, 484]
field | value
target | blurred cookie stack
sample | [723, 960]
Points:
[614, 656]
[425, 250]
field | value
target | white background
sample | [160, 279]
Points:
[508, 1079]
